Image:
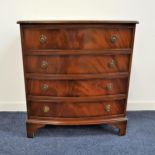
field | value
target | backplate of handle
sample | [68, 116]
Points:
[109, 86]
[112, 63]
[113, 39]
[43, 39]
[45, 87]
[46, 109]
[107, 108]
[44, 64]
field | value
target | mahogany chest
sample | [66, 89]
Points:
[76, 72]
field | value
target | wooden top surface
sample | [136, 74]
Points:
[76, 22]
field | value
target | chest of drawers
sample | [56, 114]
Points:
[76, 72]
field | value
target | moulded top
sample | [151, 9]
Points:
[76, 22]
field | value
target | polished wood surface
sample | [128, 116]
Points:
[76, 22]
[75, 99]
[77, 88]
[76, 38]
[117, 122]
[74, 110]
[77, 64]
[77, 72]
[75, 76]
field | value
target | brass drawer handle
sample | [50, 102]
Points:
[46, 109]
[44, 64]
[45, 87]
[112, 63]
[107, 108]
[113, 39]
[43, 39]
[109, 86]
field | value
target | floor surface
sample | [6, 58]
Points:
[78, 140]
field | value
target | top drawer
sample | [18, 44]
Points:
[77, 38]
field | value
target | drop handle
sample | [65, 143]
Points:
[45, 87]
[109, 86]
[46, 109]
[113, 39]
[112, 63]
[42, 39]
[44, 64]
[107, 108]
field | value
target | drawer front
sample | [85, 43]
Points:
[77, 88]
[77, 64]
[73, 110]
[77, 38]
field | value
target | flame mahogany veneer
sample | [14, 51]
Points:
[76, 72]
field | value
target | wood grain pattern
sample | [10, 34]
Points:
[50, 52]
[75, 99]
[117, 121]
[76, 88]
[67, 68]
[74, 110]
[75, 38]
[77, 121]
[75, 76]
[77, 64]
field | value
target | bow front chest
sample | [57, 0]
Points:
[76, 72]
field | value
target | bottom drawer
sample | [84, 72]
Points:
[75, 110]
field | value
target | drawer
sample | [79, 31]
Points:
[76, 64]
[77, 88]
[74, 110]
[77, 38]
